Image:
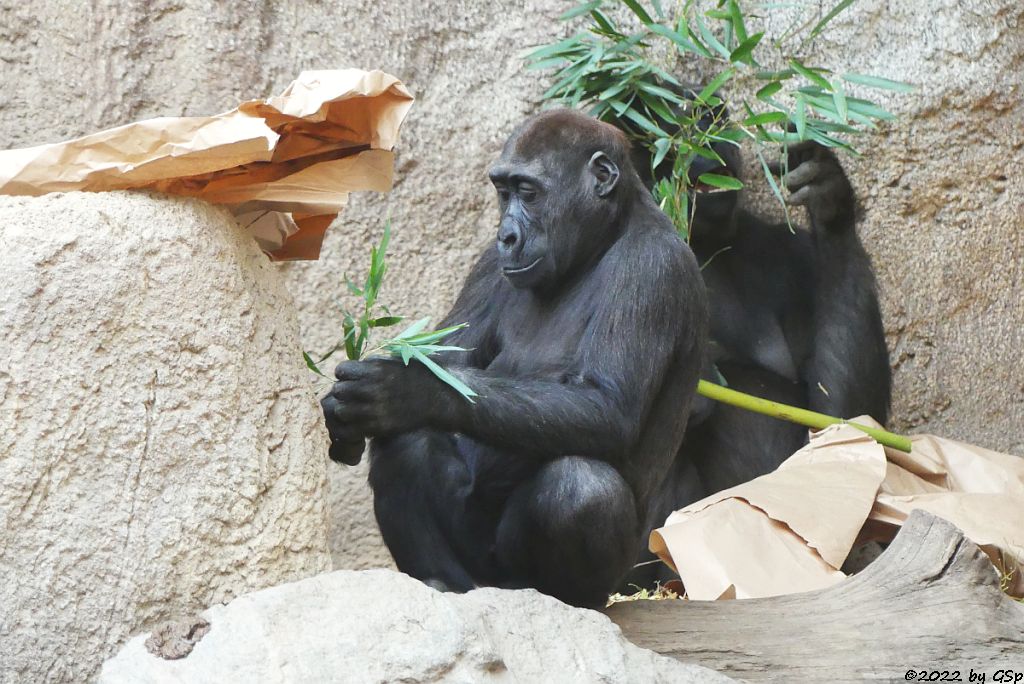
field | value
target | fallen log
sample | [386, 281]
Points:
[930, 603]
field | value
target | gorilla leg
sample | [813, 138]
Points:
[571, 531]
[419, 494]
[438, 498]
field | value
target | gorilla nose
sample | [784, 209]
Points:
[508, 238]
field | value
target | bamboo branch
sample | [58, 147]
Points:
[796, 415]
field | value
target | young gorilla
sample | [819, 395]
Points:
[587, 323]
[794, 318]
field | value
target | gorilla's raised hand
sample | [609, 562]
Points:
[816, 180]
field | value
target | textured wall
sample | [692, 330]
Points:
[159, 450]
[941, 187]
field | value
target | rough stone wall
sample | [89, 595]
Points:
[159, 448]
[941, 187]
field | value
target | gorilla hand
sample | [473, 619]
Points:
[381, 397]
[816, 180]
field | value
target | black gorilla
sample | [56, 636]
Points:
[587, 323]
[794, 318]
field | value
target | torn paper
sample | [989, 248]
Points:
[284, 165]
[791, 530]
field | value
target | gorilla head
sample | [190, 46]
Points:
[558, 172]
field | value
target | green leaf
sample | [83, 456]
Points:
[766, 93]
[737, 22]
[639, 11]
[348, 325]
[839, 97]
[765, 118]
[719, 181]
[434, 348]
[681, 42]
[413, 329]
[544, 52]
[709, 37]
[661, 149]
[353, 288]
[444, 376]
[810, 75]
[580, 10]
[776, 190]
[869, 109]
[364, 333]
[385, 321]
[658, 9]
[432, 336]
[743, 51]
[644, 122]
[830, 16]
[663, 93]
[605, 23]
[800, 117]
[879, 82]
[311, 365]
[716, 83]
[775, 75]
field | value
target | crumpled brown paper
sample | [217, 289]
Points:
[284, 165]
[791, 530]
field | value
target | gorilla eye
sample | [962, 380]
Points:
[503, 196]
[527, 192]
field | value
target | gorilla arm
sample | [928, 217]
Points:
[597, 408]
[848, 373]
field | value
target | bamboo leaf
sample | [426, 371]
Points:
[839, 97]
[348, 325]
[716, 83]
[810, 75]
[765, 118]
[743, 51]
[737, 22]
[644, 122]
[639, 11]
[432, 336]
[444, 376]
[311, 365]
[719, 181]
[879, 82]
[661, 149]
[385, 321]
[766, 93]
[580, 10]
[413, 329]
[829, 17]
[800, 117]
[709, 37]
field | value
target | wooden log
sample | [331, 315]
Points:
[931, 602]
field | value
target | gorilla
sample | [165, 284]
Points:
[587, 324]
[794, 318]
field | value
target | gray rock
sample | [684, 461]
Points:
[160, 448]
[381, 626]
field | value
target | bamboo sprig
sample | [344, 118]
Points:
[811, 419]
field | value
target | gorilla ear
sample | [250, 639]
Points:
[605, 173]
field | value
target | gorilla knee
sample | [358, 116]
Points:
[572, 532]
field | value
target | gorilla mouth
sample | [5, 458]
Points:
[704, 187]
[524, 269]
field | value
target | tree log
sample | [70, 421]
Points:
[931, 602]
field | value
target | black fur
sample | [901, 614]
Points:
[587, 322]
[794, 318]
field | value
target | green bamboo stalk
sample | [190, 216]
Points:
[796, 415]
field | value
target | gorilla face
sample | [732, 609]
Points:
[555, 214]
